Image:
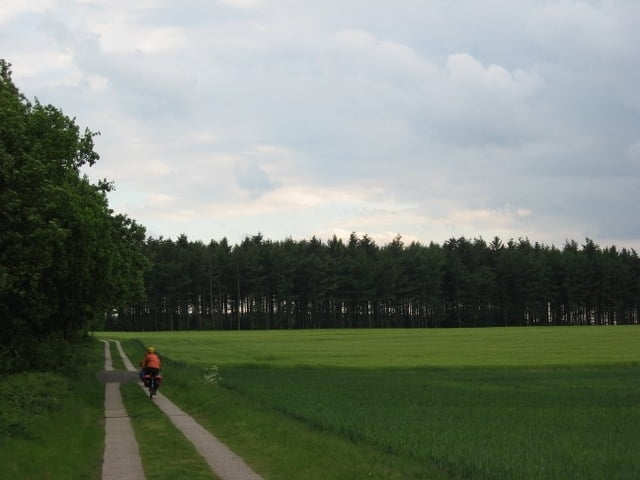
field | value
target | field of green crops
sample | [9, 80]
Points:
[482, 403]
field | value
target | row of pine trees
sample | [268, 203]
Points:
[263, 284]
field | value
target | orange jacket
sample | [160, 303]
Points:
[151, 360]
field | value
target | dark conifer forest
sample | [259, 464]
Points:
[264, 284]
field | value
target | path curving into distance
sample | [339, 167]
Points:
[223, 462]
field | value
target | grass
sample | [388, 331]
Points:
[275, 444]
[575, 423]
[403, 348]
[166, 453]
[482, 403]
[57, 425]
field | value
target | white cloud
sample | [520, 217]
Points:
[13, 8]
[304, 199]
[58, 66]
[159, 200]
[469, 72]
[489, 219]
[242, 3]
[123, 36]
[300, 118]
[576, 25]
[98, 83]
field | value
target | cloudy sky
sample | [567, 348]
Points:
[430, 119]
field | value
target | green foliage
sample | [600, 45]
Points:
[55, 421]
[211, 374]
[65, 259]
[27, 399]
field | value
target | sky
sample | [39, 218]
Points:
[428, 119]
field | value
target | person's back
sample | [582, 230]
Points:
[151, 360]
[150, 364]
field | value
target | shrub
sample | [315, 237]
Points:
[28, 398]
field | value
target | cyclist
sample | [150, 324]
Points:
[150, 364]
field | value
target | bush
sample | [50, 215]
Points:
[28, 398]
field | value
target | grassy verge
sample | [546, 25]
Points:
[56, 423]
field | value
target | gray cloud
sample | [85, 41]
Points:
[252, 178]
[447, 118]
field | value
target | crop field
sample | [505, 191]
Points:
[473, 403]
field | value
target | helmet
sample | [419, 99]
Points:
[151, 350]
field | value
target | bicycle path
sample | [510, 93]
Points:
[121, 460]
[222, 461]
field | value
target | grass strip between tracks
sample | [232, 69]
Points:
[166, 453]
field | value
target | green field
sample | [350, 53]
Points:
[465, 403]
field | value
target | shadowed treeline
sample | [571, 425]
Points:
[262, 284]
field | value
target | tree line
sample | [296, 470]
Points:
[264, 284]
[65, 258]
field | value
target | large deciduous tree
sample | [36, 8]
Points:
[65, 258]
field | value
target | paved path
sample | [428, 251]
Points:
[223, 462]
[121, 459]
